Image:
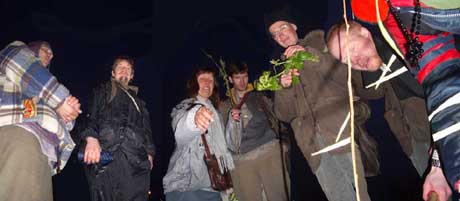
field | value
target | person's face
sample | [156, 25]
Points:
[363, 54]
[123, 72]
[206, 85]
[45, 54]
[284, 33]
[240, 81]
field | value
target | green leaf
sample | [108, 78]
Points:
[296, 61]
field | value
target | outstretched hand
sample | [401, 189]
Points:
[203, 118]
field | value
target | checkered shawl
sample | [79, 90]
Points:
[23, 77]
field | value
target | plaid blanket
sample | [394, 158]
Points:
[24, 80]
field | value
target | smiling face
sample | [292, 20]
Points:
[284, 33]
[206, 85]
[123, 72]
[363, 53]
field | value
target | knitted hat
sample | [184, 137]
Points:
[285, 13]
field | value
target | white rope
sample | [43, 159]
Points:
[386, 68]
[333, 146]
[131, 97]
[342, 128]
[388, 77]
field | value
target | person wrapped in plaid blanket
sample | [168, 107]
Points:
[36, 115]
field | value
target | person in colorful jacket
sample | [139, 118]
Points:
[37, 113]
[421, 31]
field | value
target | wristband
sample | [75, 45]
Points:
[435, 159]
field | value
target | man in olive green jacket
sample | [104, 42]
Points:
[316, 108]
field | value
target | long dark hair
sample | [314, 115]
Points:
[193, 87]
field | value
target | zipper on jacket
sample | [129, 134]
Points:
[435, 15]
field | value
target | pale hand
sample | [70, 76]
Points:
[150, 157]
[435, 181]
[203, 118]
[69, 110]
[235, 114]
[291, 50]
[92, 151]
[286, 79]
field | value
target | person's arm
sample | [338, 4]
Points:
[435, 181]
[233, 132]
[183, 122]
[149, 143]
[91, 133]
[285, 104]
[96, 104]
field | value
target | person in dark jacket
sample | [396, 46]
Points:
[118, 124]
[405, 110]
[371, 52]
[316, 108]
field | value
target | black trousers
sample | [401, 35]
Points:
[121, 180]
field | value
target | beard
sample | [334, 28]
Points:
[123, 81]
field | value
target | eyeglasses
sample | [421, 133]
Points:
[279, 30]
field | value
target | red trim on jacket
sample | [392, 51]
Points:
[449, 54]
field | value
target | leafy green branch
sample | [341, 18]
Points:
[268, 82]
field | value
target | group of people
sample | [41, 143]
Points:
[243, 132]
[316, 109]
[38, 113]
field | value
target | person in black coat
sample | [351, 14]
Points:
[118, 125]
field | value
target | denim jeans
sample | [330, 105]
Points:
[335, 175]
[419, 156]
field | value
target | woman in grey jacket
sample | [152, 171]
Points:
[187, 177]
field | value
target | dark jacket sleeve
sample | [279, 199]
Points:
[96, 105]
[149, 143]
[285, 104]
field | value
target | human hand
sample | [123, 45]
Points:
[73, 101]
[235, 114]
[92, 151]
[70, 109]
[435, 181]
[203, 117]
[150, 157]
[291, 50]
[286, 79]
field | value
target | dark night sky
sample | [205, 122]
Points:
[166, 38]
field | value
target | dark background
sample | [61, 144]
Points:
[166, 38]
